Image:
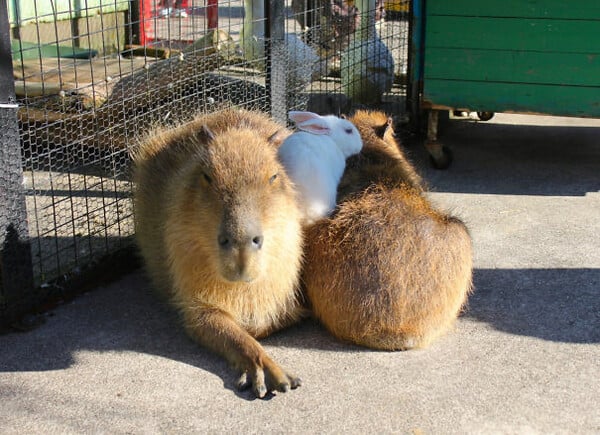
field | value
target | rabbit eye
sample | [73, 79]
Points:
[273, 178]
[349, 130]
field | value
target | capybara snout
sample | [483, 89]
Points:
[240, 241]
[250, 239]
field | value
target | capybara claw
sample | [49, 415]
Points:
[242, 382]
[295, 382]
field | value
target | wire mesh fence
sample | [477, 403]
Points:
[91, 77]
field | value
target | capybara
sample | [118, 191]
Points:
[386, 270]
[382, 161]
[218, 226]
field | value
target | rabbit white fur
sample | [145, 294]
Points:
[315, 158]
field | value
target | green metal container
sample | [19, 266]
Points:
[528, 56]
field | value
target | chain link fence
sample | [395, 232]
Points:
[88, 78]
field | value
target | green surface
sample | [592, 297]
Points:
[23, 50]
[567, 36]
[520, 56]
[575, 9]
[30, 11]
[513, 66]
[514, 97]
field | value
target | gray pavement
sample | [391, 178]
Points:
[525, 357]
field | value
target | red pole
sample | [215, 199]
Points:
[212, 14]
[145, 20]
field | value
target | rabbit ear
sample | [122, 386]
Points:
[315, 126]
[297, 116]
[310, 122]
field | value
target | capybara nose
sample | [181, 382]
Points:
[227, 242]
[257, 242]
[224, 241]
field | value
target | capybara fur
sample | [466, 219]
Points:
[381, 160]
[387, 270]
[218, 226]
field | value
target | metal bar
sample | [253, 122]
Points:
[415, 63]
[145, 21]
[16, 270]
[276, 59]
[132, 23]
[7, 83]
[212, 14]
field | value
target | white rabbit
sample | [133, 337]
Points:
[315, 159]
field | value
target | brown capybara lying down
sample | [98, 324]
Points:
[218, 226]
[387, 270]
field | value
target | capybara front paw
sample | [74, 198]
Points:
[268, 378]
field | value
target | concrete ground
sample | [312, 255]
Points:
[525, 357]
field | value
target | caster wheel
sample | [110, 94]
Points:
[485, 116]
[440, 156]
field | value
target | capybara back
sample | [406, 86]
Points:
[387, 271]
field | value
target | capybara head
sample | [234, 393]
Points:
[217, 218]
[381, 160]
[235, 195]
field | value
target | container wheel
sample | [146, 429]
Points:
[485, 116]
[440, 155]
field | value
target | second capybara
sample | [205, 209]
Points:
[387, 270]
[218, 226]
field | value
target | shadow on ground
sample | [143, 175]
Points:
[553, 304]
[127, 317]
[560, 305]
[515, 159]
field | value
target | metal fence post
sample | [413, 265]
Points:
[16, 274]
[415, 63]
[276, 59]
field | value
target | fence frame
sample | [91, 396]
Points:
[16, 268]
[276, 82]
[18, 292]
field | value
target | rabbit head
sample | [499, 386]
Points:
[342, 132]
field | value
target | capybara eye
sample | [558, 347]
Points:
[206, 178]
[273, 178]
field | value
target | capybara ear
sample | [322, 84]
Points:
[381, 129]
[206, 133]
[278, 137]
[390, 126]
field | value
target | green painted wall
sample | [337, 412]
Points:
[22, 12]
[69, 24]
[509, 55]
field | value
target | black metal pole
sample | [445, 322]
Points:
[276, 59]
[16, 272]
[132, 23]
[415, 63]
